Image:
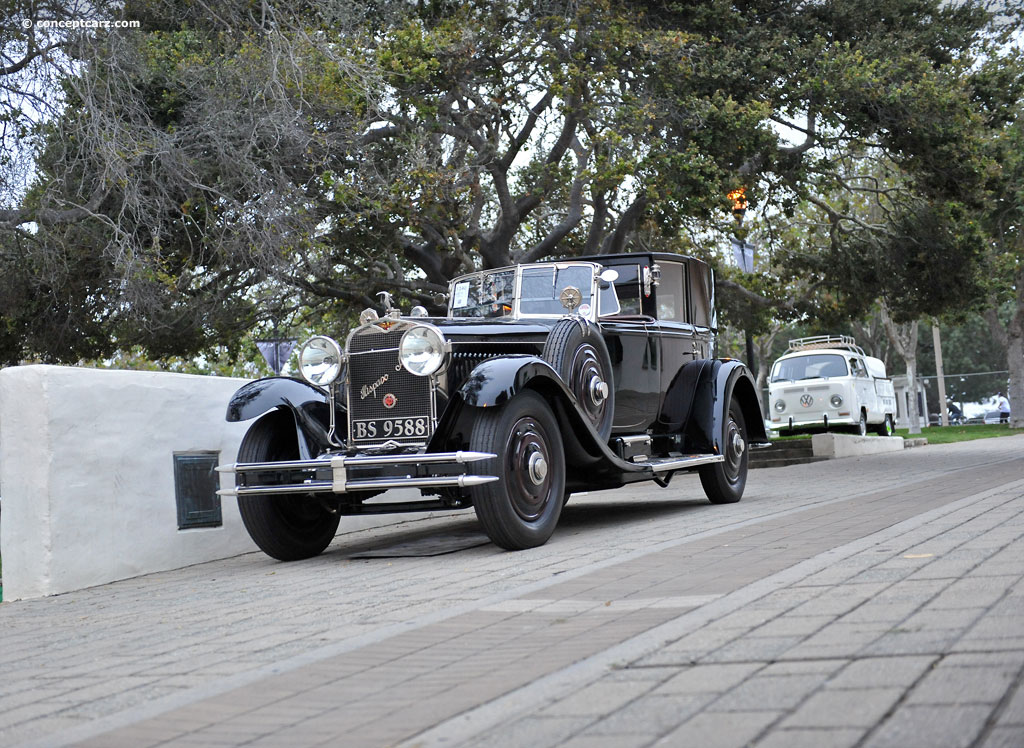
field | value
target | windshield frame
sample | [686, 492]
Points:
[516, 306]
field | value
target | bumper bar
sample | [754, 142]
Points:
[341, 482]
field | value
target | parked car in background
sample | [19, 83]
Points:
[827, 381]
[540, 381]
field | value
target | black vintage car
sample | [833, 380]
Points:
[542, 380]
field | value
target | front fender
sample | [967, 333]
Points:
[308, 405]
[498, 380]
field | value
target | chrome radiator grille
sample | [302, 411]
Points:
[466, 356]
[386, 402]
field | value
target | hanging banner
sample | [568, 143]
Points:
[743, 253]
[276, 352]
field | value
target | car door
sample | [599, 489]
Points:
[634, 353]
[675, 336]
[864, 388]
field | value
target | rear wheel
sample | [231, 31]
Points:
[886, 428]
[287, 527]
[520, 509]
[724, 481]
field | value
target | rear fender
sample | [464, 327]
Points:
[307, 404]
[716, 385]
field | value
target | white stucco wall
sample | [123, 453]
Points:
[87, 474]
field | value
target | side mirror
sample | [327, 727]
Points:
[609, 275]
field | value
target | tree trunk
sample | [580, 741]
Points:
[903, 337]
[763, 345]
[1015, 356]
[1012, 336]
[911, 359]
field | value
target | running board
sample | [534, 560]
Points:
[668, 464]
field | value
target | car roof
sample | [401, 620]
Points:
[634, 256]
[815, 351]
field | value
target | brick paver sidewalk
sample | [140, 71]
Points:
[865, 601]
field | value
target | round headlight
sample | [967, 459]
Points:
[780, 405]
[836, 400]
[320, 361]
[421, 350]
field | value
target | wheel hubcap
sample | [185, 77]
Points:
[528, 458]
[538, 468]
[587, 382]
[735, 446]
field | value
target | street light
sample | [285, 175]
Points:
[738, 197]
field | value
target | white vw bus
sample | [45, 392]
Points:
[827, 381]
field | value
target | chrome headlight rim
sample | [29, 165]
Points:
[780, 405]
[432, 357]
[836, 400]
[320, 361]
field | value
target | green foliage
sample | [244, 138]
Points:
[950, 434]
[277, 161]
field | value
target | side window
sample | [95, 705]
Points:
[671, 293]
[627, 288]
[607, 301]
[702, 294]
[857, 367]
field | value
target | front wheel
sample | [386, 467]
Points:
[862, 425]
[724, 481]
[520, 509]
[287, 527]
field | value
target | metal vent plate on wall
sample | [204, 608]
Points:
[195, 489]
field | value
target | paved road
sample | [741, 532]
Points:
[869, 601]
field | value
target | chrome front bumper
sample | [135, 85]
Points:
[824, 421]
[341, 474]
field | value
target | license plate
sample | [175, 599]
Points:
[391, 428]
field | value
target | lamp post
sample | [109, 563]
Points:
[738, 198]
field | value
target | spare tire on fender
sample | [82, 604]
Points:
[577, 351]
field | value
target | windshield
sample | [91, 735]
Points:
[484, 295]
[543, 285]
[493, 293]
[818, 366]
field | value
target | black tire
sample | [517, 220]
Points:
[862, 424]
[724, 482]
[886, 427]
[576, 350]
[521, 509]
[287, 527]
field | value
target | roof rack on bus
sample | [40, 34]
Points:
[844, 342]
